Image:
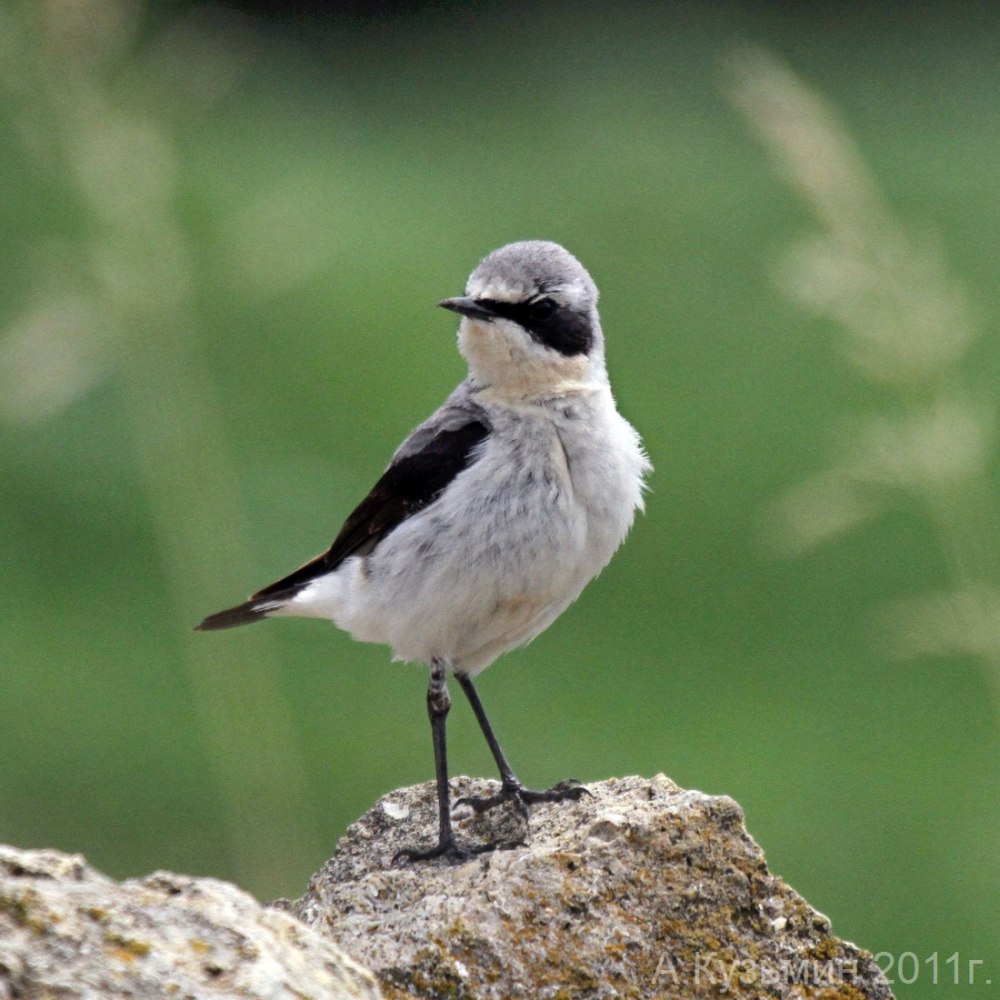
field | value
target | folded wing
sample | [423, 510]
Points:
[416, 477]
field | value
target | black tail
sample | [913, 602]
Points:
[242, 614]
[260, 605]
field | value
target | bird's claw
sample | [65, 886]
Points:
[523, 797]
[447, 848]
[452, 851]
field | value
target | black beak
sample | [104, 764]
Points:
[465, 306]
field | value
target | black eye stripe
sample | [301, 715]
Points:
[559, 327]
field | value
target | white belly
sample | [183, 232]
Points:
[489, 565]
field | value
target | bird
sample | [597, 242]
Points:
[492, 515]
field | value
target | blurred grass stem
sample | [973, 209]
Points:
[906, 326]
[117, 163]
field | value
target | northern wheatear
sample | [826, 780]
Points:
[494, 513]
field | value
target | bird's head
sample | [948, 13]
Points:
[529, 322]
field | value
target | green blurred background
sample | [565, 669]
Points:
[224, 233]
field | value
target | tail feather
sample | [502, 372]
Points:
[242, 614]
[254, 610]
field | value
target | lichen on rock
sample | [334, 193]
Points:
[68, 931]
[639, 889]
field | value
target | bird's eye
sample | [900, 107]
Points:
[541, 309]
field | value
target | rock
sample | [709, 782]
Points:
[68, 931]
[639, 889]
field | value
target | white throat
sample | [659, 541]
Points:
[504, 357]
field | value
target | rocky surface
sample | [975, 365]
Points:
[640, 889]
[67, 931]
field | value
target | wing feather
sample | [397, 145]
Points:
[415, 478]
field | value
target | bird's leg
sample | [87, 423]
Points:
[511, 789]
[438, 704]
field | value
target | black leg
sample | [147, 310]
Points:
[511, 789]
[438, 705]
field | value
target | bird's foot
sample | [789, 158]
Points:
[446, 847]
[451, 850]
[514, 791]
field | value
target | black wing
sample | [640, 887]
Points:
[410, 483]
